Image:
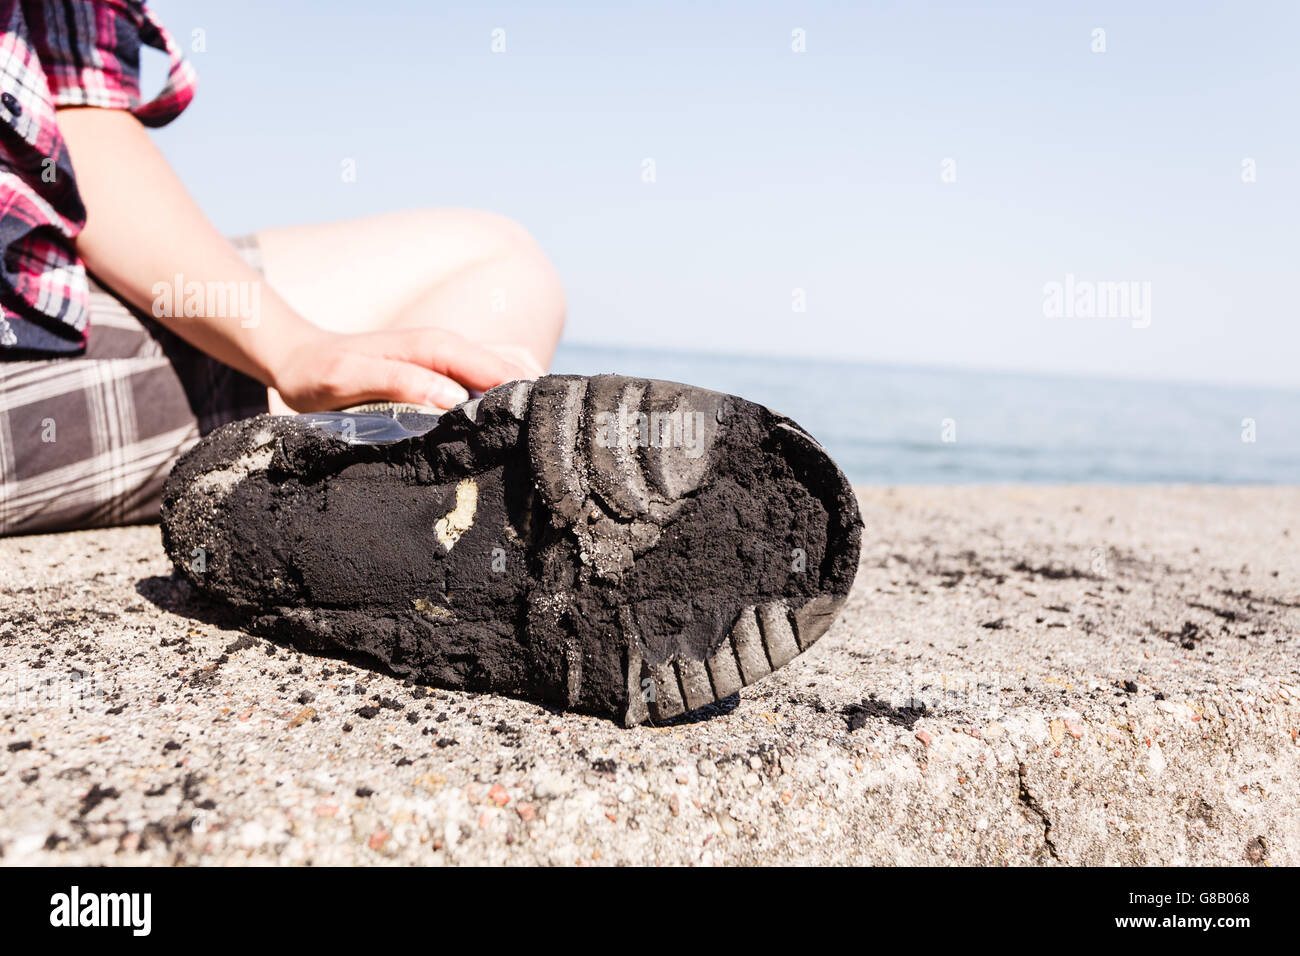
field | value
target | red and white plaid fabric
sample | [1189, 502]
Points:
[56, 53]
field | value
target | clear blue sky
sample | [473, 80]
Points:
[818, 171]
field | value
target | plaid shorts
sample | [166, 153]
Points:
[87, 441]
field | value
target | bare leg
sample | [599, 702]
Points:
[475, 273]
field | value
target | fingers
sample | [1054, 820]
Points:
[451, 355]
[428, 366]
[351, 379]
[410, 383]
[521, 358]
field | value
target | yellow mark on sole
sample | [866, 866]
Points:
[435, 611]
[461, 518]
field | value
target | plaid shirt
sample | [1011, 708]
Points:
[56, 53]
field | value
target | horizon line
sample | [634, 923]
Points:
[864, 362]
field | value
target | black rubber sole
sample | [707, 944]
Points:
[620, 546]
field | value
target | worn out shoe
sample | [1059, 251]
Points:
[620, 546]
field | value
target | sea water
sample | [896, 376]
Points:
[898, 425]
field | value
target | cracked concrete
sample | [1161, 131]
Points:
[1022, 675]
[1029, 800]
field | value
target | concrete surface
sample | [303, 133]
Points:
[1109, 676]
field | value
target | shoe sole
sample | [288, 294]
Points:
[627, 547]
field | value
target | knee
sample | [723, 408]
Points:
[531, 267]
[501, 233]
[509, 253]
[479, 235]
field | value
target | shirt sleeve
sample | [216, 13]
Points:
[90, 52]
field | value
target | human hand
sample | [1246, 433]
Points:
[418, 366]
